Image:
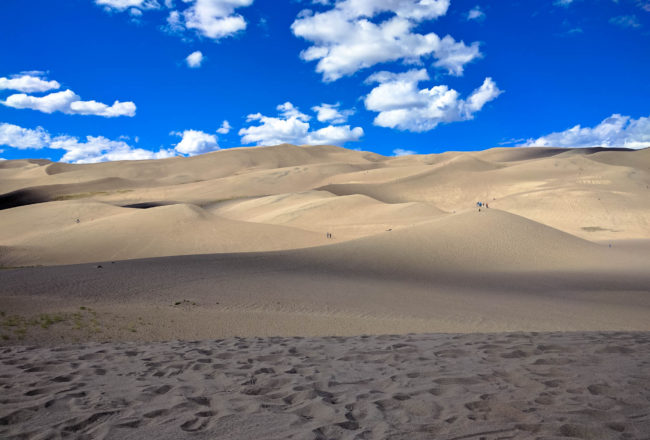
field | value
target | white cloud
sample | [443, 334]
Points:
[122, 5]
[626, 21]
[100, 149]
[174, 23]
[22, 138]
[196, 142]
[292, 127]
[345, 39]
[28, 82]
[334, 135]
[476, 14]
[225, 128]
[402, 152]
[287, 110]
[616, 131]
[210, 18]
[331, 113]
[563, 3]
[70, 103]
[215, 18]
[93, 149]
[194, 59]
[402, 105]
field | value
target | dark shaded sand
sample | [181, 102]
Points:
[474, 386]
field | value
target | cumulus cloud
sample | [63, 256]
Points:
[292, 126]
[70, 103]
[28, 82]
[215, 18]
[92, 149]
[195, 142]
[345, 39]
[476, 14]
[616, 131]
[18, 137]
[331, 113]
[225, 128]
[402, 105]
[194, 59]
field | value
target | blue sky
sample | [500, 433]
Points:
[95, 80]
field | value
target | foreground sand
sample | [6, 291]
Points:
[490, 386]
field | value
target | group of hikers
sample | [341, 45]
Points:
[482, 204]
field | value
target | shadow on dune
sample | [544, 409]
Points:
[23, 197]
[148, 205]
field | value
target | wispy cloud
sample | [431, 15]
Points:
[626, 21]
[402, 152]
[476, 14]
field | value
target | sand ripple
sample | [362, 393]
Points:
[476, 386]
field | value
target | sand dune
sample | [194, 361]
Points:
[595, 194]
[47, 233]
[234, 245]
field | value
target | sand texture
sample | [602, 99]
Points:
[490, 386]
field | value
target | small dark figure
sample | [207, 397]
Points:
[77, 220]
[486, 205]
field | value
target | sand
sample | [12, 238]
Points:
[527, 319]
[489, 386]
[289, 197]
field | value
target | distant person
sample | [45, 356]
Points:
[486, 205]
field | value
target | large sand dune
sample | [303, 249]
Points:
[291, 197]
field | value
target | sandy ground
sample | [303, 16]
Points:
[487, 386]
[117, 258]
